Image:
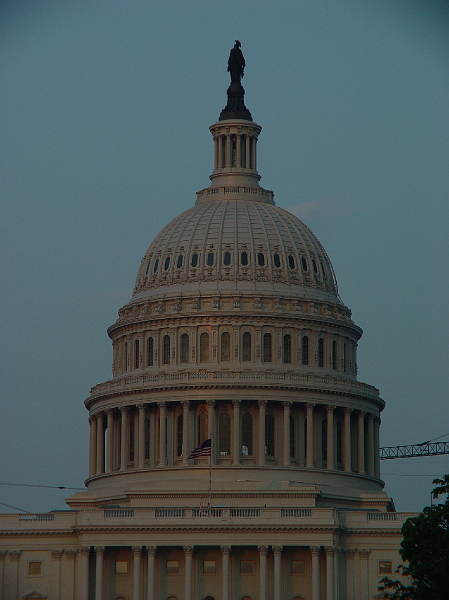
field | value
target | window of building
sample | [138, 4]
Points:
[210, 259]
[304, 264]
[35, 568]
[167, 263]
[172, 567]
[194, 260]
[291, 262]
[131, 438]
[147, 438]
[287, 349]
[209, 566]
[267, 347]
[247, 434]
[305, 350]
[334, 355]
[276, 260]
[179, 261]
[269, 435]
[244, 258]
[148, 267]
[185, 348]
[166, 350]
[292, 437]
[224, 434]
[385, 567]
[179, 435]
[227, 259]
[321, 352]
[261, 259]
[204, 347]
[323, 269]
[246, 567]
[246, 347]
[156, 264]
[150, 349]
[324, 439]
[136, 354]
[225, 346]
[202, 426]
[315, 268]
[121, 567]
[339, 442]
[298, 567]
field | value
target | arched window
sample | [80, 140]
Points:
[304, 264]
[276, 260]
[194, 260]
[247, 434]
[148, 267]
[179, 261]
[210, 259]
[179, 435]
[244, 258]
[166, 350]
[324, 439]
[269, 435]
[224, 434]
[131, 433]
[287, 348]
[167, 263]
[334, 355]
[185, 346]
[156, 264]
[261, 259]
[227, 259]
[147, 438]
[225, 346]
[305, 350]
[321, 352]
[267, 347]
[150, 350]
[292, 437]
[291, 262]
[246, 347]
[204, 347]
[315, 268]
[339, 442]
[202, 426]
[136, 354]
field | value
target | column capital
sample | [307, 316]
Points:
[99, 550]
[85, 550]
[330, 408]
[310, 404]
[15, 554]
[225, 549]
[70, 554]
[236, 403]
[92, 418]
[362, 413]
[124, 409]
[347, 410]
[152, 550]
[329, 549]
[161, 404]
[100, 414]
[349, 553]
[2, 554]
[56, 554]
[364, 554]
[262, 402]
[286, 403]
[277, 549]
[210, 403]
[141, 407]
[315, 550]
[188, 549]
[110, 411]
[262, 549]
[136, 549]
[185, 403]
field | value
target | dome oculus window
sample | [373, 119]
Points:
[304, 264]
[156, 264]
[291, 262]
[244, 259]
[227, 259]
[277, 261]
[167, 263]
[194, 261]
[210, 259]
[179, 261]
[261, 259]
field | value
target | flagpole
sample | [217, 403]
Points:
[210, 474]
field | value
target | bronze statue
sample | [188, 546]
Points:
[236, 63]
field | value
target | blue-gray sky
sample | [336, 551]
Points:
[105, 108]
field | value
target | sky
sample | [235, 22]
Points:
[104, 113]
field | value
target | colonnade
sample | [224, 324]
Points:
[303, 434]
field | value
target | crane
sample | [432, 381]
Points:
[429, 448]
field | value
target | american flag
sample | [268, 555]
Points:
[203, 449]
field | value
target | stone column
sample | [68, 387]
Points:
[253, 144]
[228, 151]
[151, 573]
[2, 572]
[11, 589]
[347, 445]
[188, 553]
[225, 587]
[162, 434]
[93, 446]
[236, 433]
[361, 442]
[349, 569]
[220, 152]
[83, 573]
[100, 443]
[137, 564]
[238, 141]
[376, 447]
[363, 575]
[124, 439]
[263, 550]
[310, 436]
[277, 576]
[261, 453]
[370, 445]
[247, 152]
[141, 436]
[316, 595]
[110, 441]
[329, 572]
[185, 431]
[211, 428]
[69, 579]
[99, 555]
[286, 444]
[330, 437]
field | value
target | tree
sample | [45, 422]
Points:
[425, 549]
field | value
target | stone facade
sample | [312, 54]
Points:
[236, 333]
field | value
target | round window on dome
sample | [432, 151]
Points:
[304, 264]
[156, 264]
[210, 259]
[261, 259]
[291, 262]
[315, 268]
[194, 261]
[244, 258]
[167, 263]
[276, 260]
[179, 261]
[227, 259]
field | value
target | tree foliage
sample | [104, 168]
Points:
[425, 550]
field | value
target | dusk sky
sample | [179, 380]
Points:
[104, 115]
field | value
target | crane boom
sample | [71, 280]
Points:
[429, 449]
